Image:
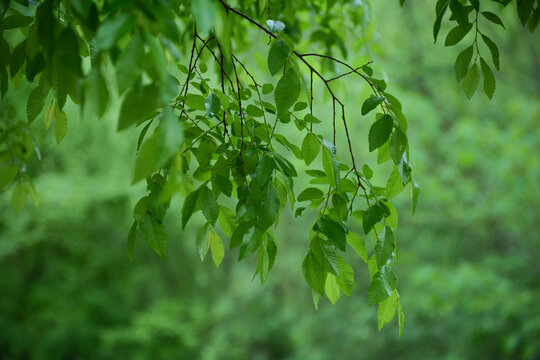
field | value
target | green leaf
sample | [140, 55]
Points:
[442, 6]
[373, 215]
[17, 58]
[250, 243]
[254, 111]
[132, 236]
[358, 244]
[189, 206]
[397, 145]
[525, 8]
[264, 169]
[202, 241]
[16, 21]
[471, 80]
[268, 211]
[380, 131]
[494, 18]
[157, 150]
[415, 193]
[35, 103]
[277, 55]
[49, 115]
[7, 174]
[394, 185]
[19, 196]
[310, 148]
[331, 288]
[382, 285]
[494, 50]
[128, 66]
[61, 125]
[489, 79]
[457, 34]
[208, 205]
[139, 104]
[287, 91]
[204, 12]
[96, 92]
[310, 194]
[366, 170]
[371, 103]
[346, 279]
[112, 30]
[463, 61]
[314, 273]
[334, 231]
[212, 105]
[401, 315]
[459, 13]
[227, 220]
[384, 248]
[330, 164]
[326, 254]
[386, 310]
[154, 234]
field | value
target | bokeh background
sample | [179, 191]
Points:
[469, 264]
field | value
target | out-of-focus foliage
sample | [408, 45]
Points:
[468, 261]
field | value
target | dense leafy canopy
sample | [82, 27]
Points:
[211, 119]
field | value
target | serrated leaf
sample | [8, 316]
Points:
[386, 310]
[310, 194]
[331, 167]
[61, 125]
[132, 236]
[331, 288]
[208, 205]
[154, 234]
[49, 115]
[334, 231]
[310, 148]
[202, 241]
[264, 169]
[277, 55]
[250, 243]
[471, 80]
[19, 196]
[524, 8]
[314, 273]
[382, 285]
[371, 103]
[394, 185]
[440, 13]
[489, 79]
[128, 66]
[346, 279]
[140, 103]
[384, 248]
[415, 193]
[493, 49]
[96, 92]
[189, 206]
[212, 105]
[494, 18]
[380, 131]
[287, 91]
[373, 215]
[204, 13]
[216, 246]
[358, 244]
[463, 61]
[112, 30]
[457, 34]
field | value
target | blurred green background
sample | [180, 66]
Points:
[469, 264]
